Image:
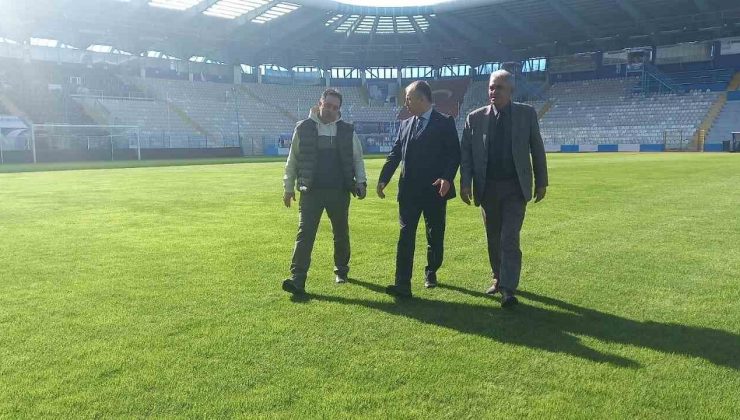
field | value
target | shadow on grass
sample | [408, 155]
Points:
[555, 330]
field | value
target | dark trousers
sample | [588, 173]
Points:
[311, 207]
[503, 215]
[410, 210]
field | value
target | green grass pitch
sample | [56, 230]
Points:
[156, 292]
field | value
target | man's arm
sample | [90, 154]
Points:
[539, 159]
[466, 163]
[291, 171]
[452, 150]
[537, 147]
[291, 166]
[466, 156]
[359, 162]
[393, 159]
[359, 165]
[391, 164]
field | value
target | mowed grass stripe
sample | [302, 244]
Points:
[155, 291]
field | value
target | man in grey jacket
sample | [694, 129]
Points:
[496, 172]
[325, 160]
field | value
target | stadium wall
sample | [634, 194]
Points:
[55, 156]
[727, 61]
[612, 148]
[549, 148]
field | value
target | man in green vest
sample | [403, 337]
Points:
[325, 160]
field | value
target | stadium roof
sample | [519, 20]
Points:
[349, 33]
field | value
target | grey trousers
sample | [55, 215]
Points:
[503, 208]
[311, 207]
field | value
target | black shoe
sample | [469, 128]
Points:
[393, 290]
[290, 287]
[431, 281]
[508, 299]
[494, 288]
[340, 278]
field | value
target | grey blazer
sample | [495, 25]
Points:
[526, 141]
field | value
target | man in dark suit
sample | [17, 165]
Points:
[497, 143]
[429, 151]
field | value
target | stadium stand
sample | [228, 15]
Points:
[448, 96]
[703, 79]
[297, 100]
[265, 111]
[606, 112]
[214, 108]
[180, 113]
[160, 126]
[477, 96]
[213, 87]
[727, 122]
[176, 113]
[41, 99]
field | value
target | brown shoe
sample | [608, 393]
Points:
[494, 288]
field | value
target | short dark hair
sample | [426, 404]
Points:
[332, 92]
[421, 87]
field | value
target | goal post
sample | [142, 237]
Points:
[65, 142]
[676, 140]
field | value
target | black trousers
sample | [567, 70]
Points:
[311, 206]
[503, 208]
[410, 211]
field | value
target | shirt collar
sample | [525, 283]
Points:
[505, 109]
[427, 114]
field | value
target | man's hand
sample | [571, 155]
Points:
[539, 194]
[466, 194]
[361, 190]
[379, 189]
[287, 198]
[444, 186]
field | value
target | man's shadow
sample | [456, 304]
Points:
[555, 330]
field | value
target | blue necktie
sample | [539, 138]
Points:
[414, 133]
[418, 127]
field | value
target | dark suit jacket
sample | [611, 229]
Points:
[434, 154]
[526, 141]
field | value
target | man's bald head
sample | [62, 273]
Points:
[418, 97]
[420, 89]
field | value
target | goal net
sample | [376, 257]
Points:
[677, 140]
[63, 142]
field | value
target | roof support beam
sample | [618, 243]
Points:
[370, 42]
[423, 38]
[480, 37]
[523, 28]
[247, 17]
[199, 8]
[302, 25]
[573, 19]
[630, 9]
[321, 33]
[471, 49]
[196, 12]
[702, 5]
[636, 15]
